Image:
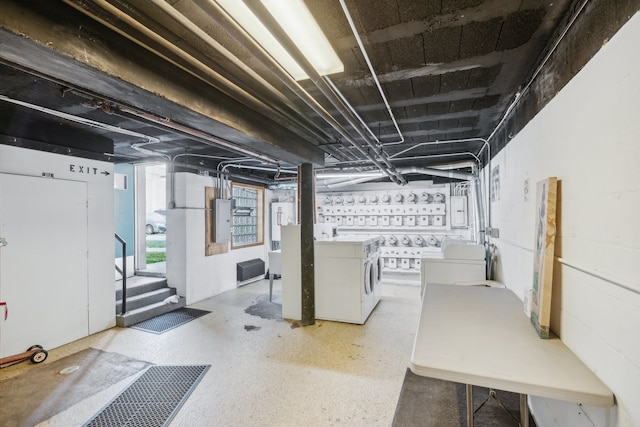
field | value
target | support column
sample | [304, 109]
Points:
[306, 192]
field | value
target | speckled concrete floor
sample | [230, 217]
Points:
[266, 371]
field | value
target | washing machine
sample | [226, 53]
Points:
[347, 286]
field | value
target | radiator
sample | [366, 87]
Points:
[250, 269]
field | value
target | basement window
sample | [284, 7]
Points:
[248, 216]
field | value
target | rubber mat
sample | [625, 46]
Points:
[168, 321]
[152, 400]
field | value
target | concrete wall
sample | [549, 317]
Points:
[194, 275]
[20, 161]
[589, 137]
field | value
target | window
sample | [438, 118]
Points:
[248, 215]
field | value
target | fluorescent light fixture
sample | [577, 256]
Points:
[297, 21]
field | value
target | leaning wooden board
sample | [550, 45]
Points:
[547, 191]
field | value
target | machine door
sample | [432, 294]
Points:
[378, 264]
[369, 276]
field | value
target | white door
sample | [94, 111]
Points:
[43, 267]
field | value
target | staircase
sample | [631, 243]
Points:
[145, 299]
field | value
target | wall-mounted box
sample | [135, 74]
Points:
[459, 211]
[222, 221]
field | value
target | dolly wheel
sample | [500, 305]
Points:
[39, 356]
[33, 347]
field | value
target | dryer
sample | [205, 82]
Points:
[347, 286]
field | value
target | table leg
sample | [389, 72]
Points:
[469, 405]
[524, 411]
[270, 285]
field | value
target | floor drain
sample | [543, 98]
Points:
[69, 370]
[153, 399]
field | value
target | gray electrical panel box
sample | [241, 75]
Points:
[222, 221]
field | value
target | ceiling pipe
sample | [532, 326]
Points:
[81, 120]
[267, 20]
[448, 141]
[223, 83]
[217, 80]
[240, 35]
[222, 18]
[258, 168]
[200, 136]
[369, 176]
[238, 65]
[354, 30]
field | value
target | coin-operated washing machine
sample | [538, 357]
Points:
[375, 277]
[347, 278]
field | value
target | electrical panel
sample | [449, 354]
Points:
[459, 216]
[222, 221]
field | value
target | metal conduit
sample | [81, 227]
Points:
[211, 42]
[201, 136]
[448, 141]
[368, 176]
[373, 73]
[239, 34]
[221, 17]
[81, 120]
[258, 9]
[222, 83]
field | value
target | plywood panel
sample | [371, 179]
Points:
[547, 191]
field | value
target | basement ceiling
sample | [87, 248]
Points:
[424, 82]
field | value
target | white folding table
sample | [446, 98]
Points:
[479, 335]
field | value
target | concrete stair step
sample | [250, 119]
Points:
[137, 315]
[147, 298]
[137, 285]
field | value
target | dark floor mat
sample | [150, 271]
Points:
[428, 402]
[152, 400]
[42, 391]
[168, 321]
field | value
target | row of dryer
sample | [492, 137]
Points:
[374, 198]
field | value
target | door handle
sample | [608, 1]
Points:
[3, 242]
[6, 309]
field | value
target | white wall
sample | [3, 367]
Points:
[589, 137]
[194, 275]
[20, 161]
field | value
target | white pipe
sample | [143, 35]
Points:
[373, 74]
[259, 168]
[356, 178]
[81, 120]
[352, 182]
[448, 141]
[204, 137]
[438, 172]
[520, 94]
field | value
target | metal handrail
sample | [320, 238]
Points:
[123, 271]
